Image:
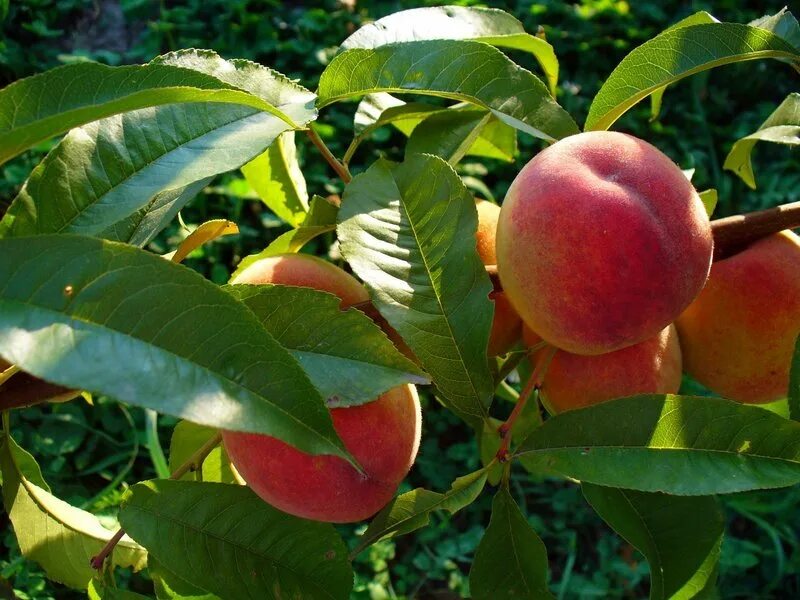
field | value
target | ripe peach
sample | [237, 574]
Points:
[382, 435]
[601, 242]
[506, 326]
[738, 336]
[575, 381]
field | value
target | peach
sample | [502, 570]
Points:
[506, 326]
[738, 336]
[382, 435]
[601, 242]
[575, 381]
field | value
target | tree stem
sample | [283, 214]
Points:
[193, 462]
[341, 170]
[731, 234]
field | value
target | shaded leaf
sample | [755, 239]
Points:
[682, 445]
[106, 171]
[204, 233]
[448, 135]
[411, 511]
[169, 586]
[782, 127]
[511, 560]
[99, 591]
[199, 530]
[58, 537]
[113, 319]
[488, 25]
[347, 356]
[460, 70]
[408, 231]
[679, 536]
[188, 438]
[678, 53]
[276, 176]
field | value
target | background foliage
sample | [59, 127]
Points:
[90, 454]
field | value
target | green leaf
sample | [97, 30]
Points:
[105, 172]
[276, 176]
[321, 219]
[99, 591]
[782, 127]
[377, 110]
[113, 319]
[782, 24]
[58, 537]
[487, 25]
[346, 355]
[187, 438]
[679, 536]
[448, 135]
[30, 112]
[680, 445]
[142, 226]
[510, 561]
[408, 231]
[695, 19]
[794, 384]
[678, 53]
[200, 235]
[709, 200]
[201, 530]
[169, 586]
[465, 71]
[411, 511]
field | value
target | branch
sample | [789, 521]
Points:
[732, 234]
[193, 463]
[341, 170]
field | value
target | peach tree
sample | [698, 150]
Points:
[545, 325]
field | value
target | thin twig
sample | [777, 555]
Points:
[193, 462]
[8, 373]
[341, 170]
[731, 234]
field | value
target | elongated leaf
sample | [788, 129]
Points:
[188, 438]
[347, 356]
[199, 530]
[142, 226]
[408, 231]
[98, 591]
[113, 319]
[678, 53]
[782, 127]
[169, 586]
[511, 560]
[31, 112]
[107, 171]
[204, 233]
[487, 25]
[58, 537]
[794, 384]
[783, 23]
[674, 444]
[276, 176]
[460, 70]
[321, 218]
[695, 19]
[659, 526]
[411, 511]
[448, 135]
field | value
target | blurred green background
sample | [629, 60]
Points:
[88, 454]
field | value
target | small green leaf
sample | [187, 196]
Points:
[678, 53]
[202, 234]
[465, 71]
[276, 176]
[199, 531]
[187, 438]
[448, 135]
[347, 356]
[782, 127]
[321, 219]
[709, 200]
[58, 537]
[106, 171]
[408, 231]
[488, 25]
[411, 511]
[511, 560]
[683, 445]
[679, 536]
[794, 384]
[30, 112]
[99, 591]
[158, 336]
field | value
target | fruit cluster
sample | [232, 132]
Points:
[604, 251]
